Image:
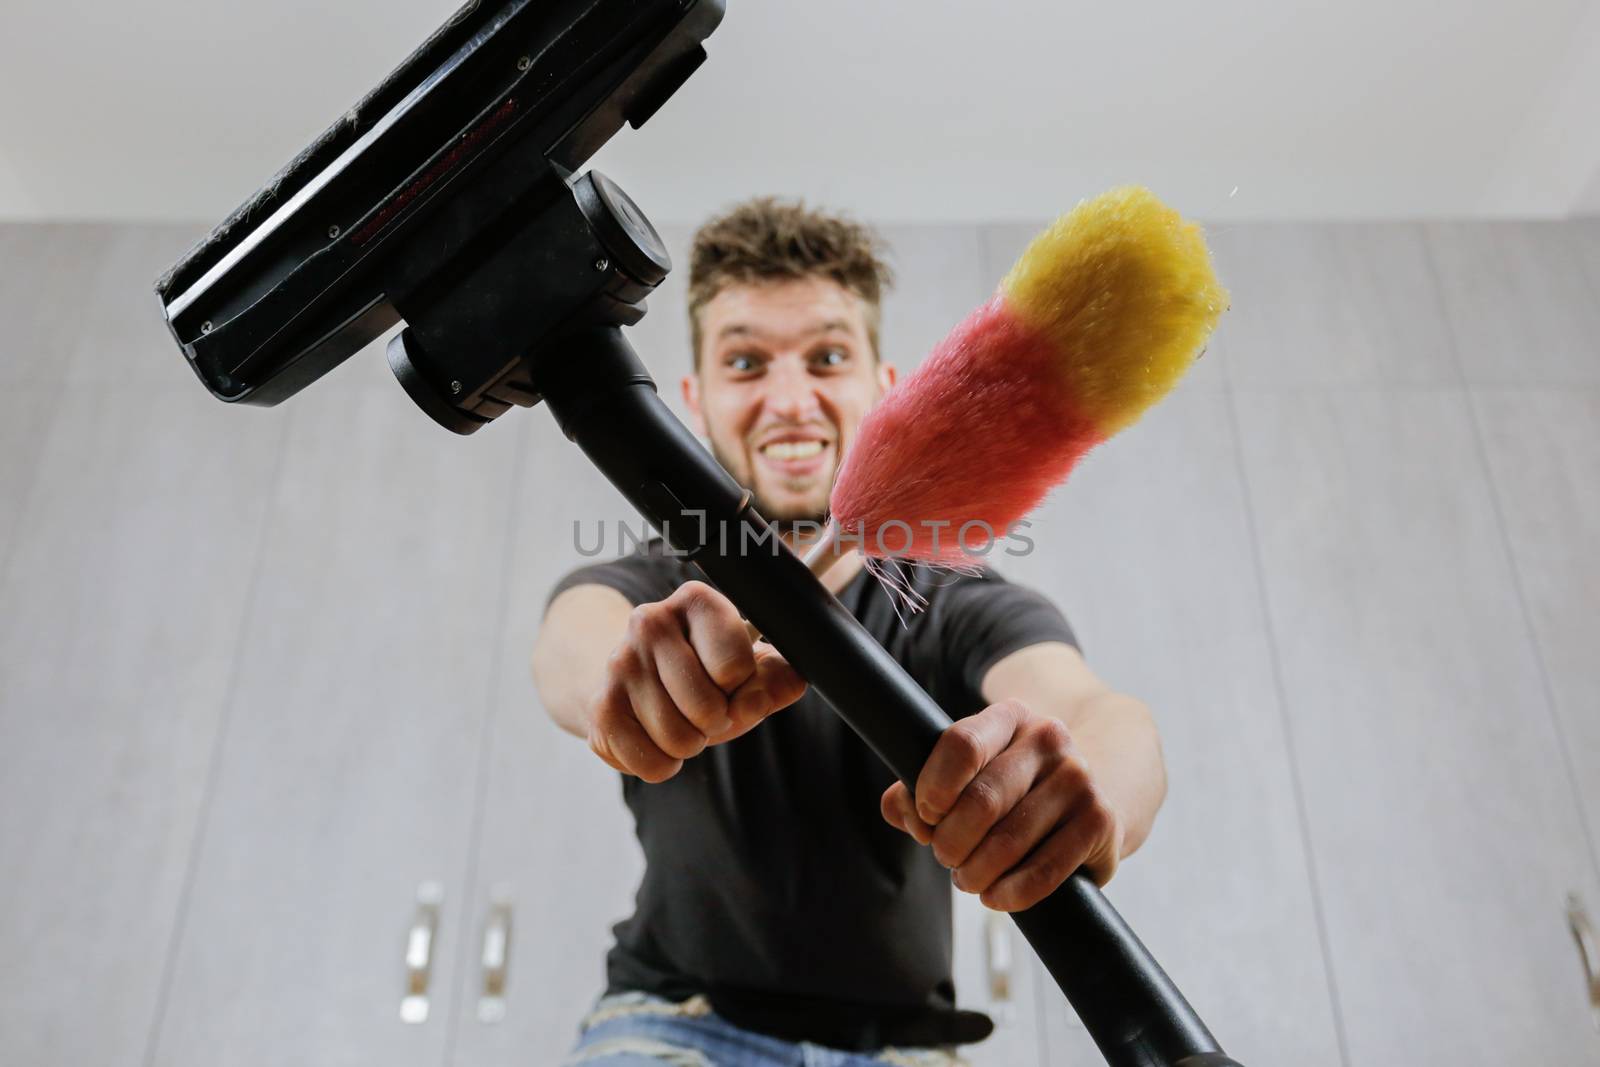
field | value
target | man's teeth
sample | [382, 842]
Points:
[792, 449]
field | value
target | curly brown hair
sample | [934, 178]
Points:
[767, 239]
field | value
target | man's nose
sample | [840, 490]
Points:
[791, 394]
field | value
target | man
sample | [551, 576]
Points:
[778, 917]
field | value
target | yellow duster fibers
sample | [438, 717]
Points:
[1123, 287]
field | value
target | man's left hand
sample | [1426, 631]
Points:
[1010, 806]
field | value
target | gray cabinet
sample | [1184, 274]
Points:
[349, 768]
[264, 672]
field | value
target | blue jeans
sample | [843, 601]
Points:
[640, 1030]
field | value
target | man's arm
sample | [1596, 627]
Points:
[580, 629]
[1058, 772]
[1115, 732]
[653, 685]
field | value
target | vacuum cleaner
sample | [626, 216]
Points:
[449, 198]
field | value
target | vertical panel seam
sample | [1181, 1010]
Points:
[1525, 615]
[208, 789]
[1286, 724]
[460, 991]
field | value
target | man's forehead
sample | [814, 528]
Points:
[783, 309]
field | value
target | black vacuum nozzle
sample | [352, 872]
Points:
[583, 254]
[469, 145]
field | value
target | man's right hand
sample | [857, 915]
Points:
[684, 676]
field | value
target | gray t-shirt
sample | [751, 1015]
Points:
[772, 883]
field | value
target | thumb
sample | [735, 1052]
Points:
[773, 686]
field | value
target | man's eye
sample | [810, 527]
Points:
[743, 363]
[832, 357]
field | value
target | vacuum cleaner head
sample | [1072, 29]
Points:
[464, 150]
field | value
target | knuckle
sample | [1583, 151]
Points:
[696, 598]
[1071, 776]
[1097, 818]
[730, 671]
[707, 707]
[693, 592]
[1013, 708]
[624, 661]
[1037, 880]
[682, 744]
[706, 711]
[893, 801]
[985, 800]
[965, 745]
[1053, 736]
[649, 622]
[603, 718]
[1008, 843]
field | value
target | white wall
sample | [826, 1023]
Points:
[898, 109]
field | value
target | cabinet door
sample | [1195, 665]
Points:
[1147, 551]
[1440, 812]
[129, 519]
[349, 765]
[119, 617]
[1544, 454]
[556, 839]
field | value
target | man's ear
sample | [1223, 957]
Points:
[691, 400]
[886, 376]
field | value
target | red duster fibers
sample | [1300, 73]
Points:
[1096, 322]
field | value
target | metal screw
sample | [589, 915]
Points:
[455, 387]
[602, 263]
[205, 327]
[333, 232]
[524, 63]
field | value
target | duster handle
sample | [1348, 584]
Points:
[606, 402]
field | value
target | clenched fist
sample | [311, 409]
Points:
[684, 676]
[1009, 805]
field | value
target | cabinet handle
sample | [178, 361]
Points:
[1588, 950]
[419, 952]
[496, 958]
[998, 957]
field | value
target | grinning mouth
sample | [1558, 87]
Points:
[793, 449]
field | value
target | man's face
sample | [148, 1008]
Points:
[786, 373]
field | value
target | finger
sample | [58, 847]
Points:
[1012, 841]
[717, 634]
[774, 686]
[963, 750]
[608, 700]
[690, 688]
[901, 813]
[986, 802]
[616, 737]
[1053, 862]
[602, 748]
[782, 683]
[658, 715]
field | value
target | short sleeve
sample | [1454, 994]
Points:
[986, 619]
[643, 578]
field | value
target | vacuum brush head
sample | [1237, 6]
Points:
[474, 136]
